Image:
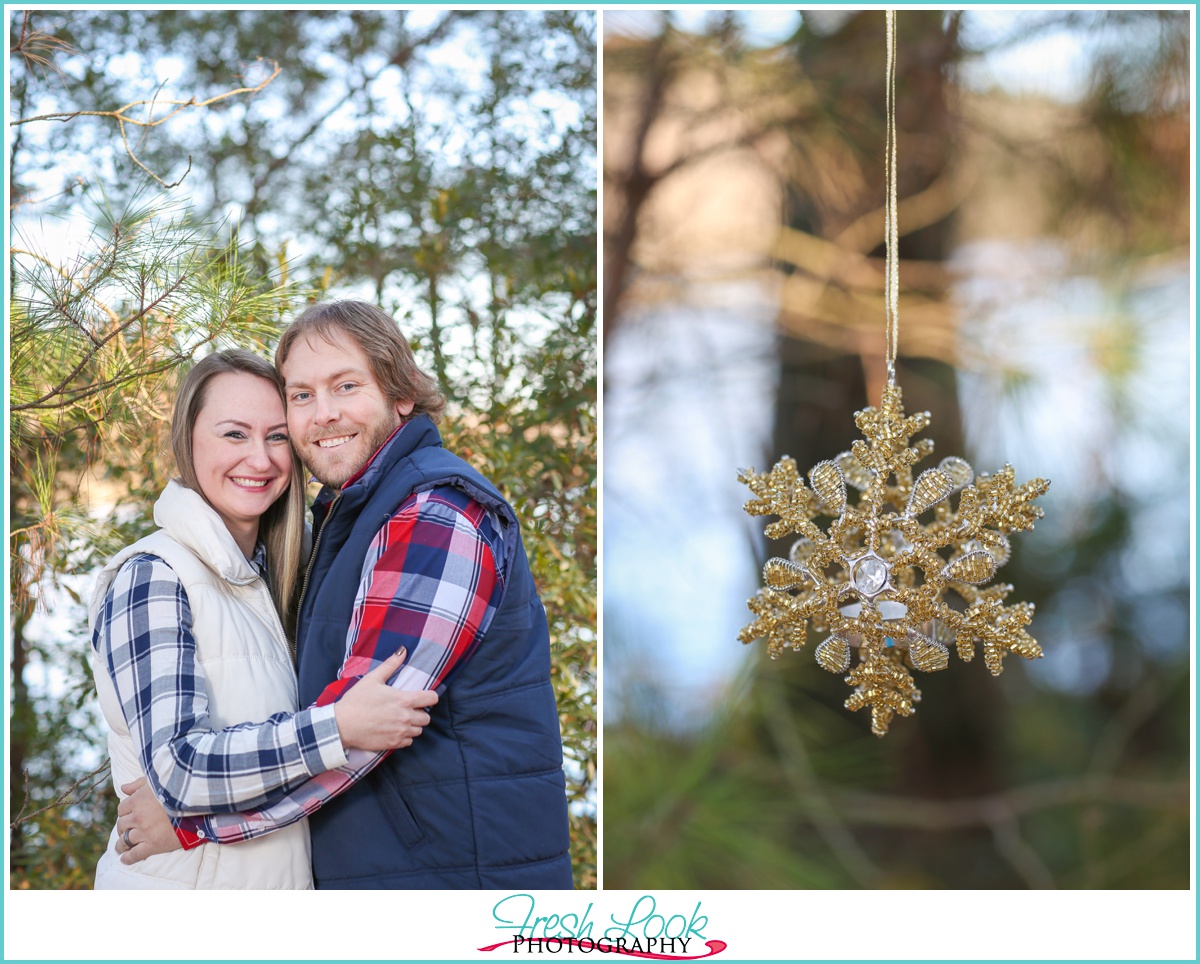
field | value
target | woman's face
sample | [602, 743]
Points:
[241, 452]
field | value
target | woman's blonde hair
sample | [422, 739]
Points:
[281, 527]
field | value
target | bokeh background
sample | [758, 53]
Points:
[1044, 178]
[188, 180]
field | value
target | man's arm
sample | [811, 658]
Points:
[430, 582]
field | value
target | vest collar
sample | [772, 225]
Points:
[184, 515]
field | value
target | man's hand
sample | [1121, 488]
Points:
[149, 828]
[374, 716]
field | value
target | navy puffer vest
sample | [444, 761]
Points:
[479, 799]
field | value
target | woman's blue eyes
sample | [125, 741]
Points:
[273, 437]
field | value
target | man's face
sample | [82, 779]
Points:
[337, 413]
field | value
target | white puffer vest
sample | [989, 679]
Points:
[242, 652]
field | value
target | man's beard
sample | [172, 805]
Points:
[335, 473]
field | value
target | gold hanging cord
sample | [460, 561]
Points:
[891, 231]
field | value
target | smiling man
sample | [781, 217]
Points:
[413, 547]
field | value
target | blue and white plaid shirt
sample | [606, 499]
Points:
[144, 634]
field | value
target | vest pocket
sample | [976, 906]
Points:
[387, 788]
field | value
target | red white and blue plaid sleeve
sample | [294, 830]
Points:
[431, 582]
[143, 635]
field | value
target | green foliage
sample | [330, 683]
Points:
[539, 445]
[65, 844]
[95, 344]
[699, 814]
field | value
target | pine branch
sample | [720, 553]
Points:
[120, 113]
[112, 315]
[882, 810]
[798, 769]
[60, 388]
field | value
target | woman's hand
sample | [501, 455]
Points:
[143, 828]
[374, 716]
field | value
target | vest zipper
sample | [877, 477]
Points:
[312, 557]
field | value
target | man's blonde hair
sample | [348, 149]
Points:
[377, 334]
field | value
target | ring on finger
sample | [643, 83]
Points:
[125, 839]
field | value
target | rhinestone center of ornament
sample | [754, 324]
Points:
[870, 575]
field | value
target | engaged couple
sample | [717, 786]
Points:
[366, 705]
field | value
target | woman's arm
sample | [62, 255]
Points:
[144, 634]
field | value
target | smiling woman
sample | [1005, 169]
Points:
[224, 401]
[241, 453]
[189, 639]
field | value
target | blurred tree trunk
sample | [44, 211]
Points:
[21, 724]
[636, 180]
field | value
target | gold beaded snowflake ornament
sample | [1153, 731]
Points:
[875, 582]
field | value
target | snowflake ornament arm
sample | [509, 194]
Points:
[858, 581]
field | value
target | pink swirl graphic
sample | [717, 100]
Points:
[607, 947]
